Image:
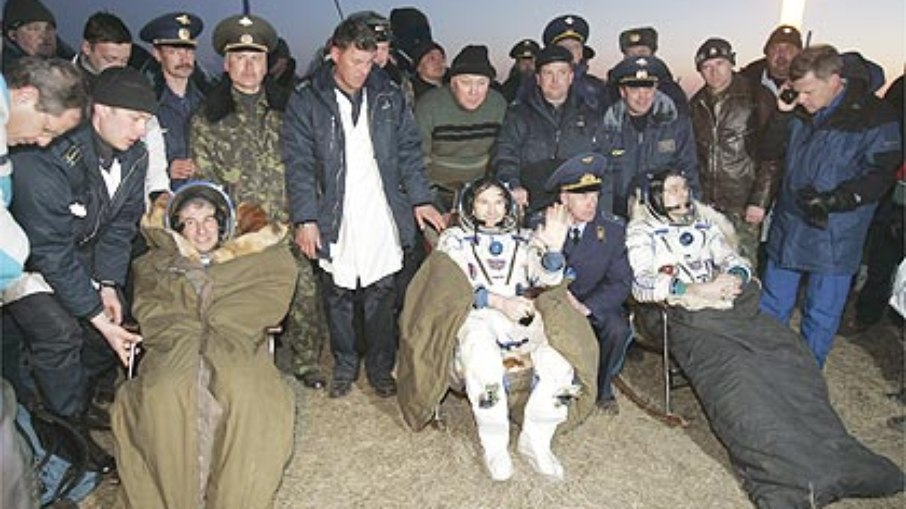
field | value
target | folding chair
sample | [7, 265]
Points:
[657, 342]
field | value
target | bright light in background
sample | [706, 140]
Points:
[791, 13]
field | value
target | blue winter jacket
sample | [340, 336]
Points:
[667, 141]
[78, 233]
[855, 145]
[315, 158]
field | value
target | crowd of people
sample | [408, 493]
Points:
[439, 225]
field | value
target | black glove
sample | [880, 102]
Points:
[817, 205]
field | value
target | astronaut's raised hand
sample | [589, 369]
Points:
[556, 224]
[515, 308]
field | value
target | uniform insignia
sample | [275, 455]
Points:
[642, 62]
[183, 19]
[685, 239]
[245, 21]
[495, 248]
[72, 155]
[617, 152]
[666, 146]
[496, 263]
[635, 37]
[77, 209]
[588, 159]
[183, 34]
[569, 20]
[601, 233]
[246, 39]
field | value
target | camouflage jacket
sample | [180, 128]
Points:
[242, 151]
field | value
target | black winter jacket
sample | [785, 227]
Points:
[78, 233]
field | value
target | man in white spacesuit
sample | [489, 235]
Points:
[678, 250]
[504, 265]
[758, 383]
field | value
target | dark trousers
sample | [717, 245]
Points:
[65, 355]
[884, 252]
[377, 303]
[614, 336]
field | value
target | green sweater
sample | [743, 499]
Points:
[457, 143]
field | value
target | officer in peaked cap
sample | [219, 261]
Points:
[244, 32]
[564, 29]
[598, 264]
[526, 48]
[638, 71]
[521, 74]
[638, 42]
[579, 174]
[173, 29]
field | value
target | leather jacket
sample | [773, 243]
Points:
[727, 127]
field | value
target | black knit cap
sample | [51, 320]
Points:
[473, 59]
[20, 12]
[714, 47]
[422, 49]
[552, 53]
[125, 87]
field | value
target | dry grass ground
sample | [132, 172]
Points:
[358, 452]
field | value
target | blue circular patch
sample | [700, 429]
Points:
[685, 239]
[496, 247]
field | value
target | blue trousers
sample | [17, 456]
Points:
[825, 298]
[614, 336]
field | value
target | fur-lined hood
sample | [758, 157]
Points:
[246, 243]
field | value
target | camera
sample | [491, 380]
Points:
[789, 96]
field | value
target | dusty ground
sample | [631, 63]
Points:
[358, 452]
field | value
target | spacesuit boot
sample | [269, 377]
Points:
[544, 411]
[535, 446]
[490, 412]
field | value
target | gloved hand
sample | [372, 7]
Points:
[817, 206]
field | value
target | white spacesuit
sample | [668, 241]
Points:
[504, 262]
[668, 255]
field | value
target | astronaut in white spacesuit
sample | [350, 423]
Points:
[679, 249]
[504, 264]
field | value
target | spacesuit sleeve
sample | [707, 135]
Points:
[648, 283]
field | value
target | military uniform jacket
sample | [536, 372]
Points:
[314, 153]
[599, 266]
[666, 141]
[174, 115]
[237, 144]
[78, 233]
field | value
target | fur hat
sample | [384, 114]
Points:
[643, 36]
[784, 33]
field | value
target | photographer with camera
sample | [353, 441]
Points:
[841, 146]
